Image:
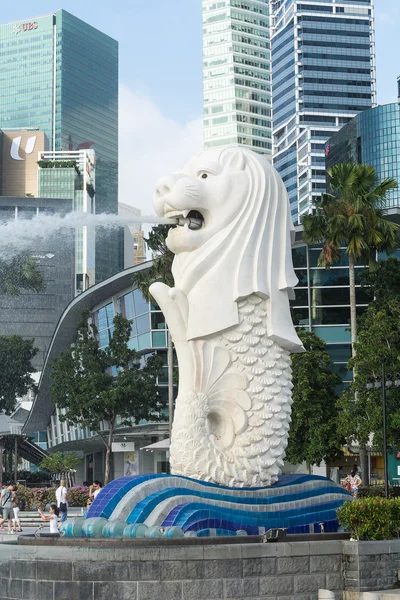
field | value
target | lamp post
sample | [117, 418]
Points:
[384, 382]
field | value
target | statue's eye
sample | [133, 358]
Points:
[204, 176]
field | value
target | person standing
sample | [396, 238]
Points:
[355, 481]
[6, 504]
[15, 506]
[62, 500]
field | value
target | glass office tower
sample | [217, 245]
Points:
[323, 74]
[236, 74]
[60, 75]
[372, 138]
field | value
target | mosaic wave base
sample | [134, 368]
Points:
[172, 506]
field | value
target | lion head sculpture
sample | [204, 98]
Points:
[243, 246]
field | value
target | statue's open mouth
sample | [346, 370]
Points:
[192, 218]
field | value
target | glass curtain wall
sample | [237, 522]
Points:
[323, 74]
[236, 74]
[322, 303]
[372, 138]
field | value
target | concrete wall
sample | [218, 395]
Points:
[122, 571]
[245, 572]
[369, 566]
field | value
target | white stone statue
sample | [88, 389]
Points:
[229, 317]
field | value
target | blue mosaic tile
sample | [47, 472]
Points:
[198, 515]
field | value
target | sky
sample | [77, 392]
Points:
[161, 78]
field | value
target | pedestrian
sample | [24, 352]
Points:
[95, 489]
[354, 480]
[62, 500]
[15, 506]
[52, 518]
[6, 503]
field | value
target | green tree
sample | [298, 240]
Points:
[353, 217]
[62, 464]
[94, 385]
[160, 270]
[378, 343]
[18, 273]
[16, 380]
[382, 284]
[162, 258]
[313, 433]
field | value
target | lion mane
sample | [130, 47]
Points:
[252, 255]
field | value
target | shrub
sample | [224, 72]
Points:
[39, 497]
[78, 495]
[374, 491]
[35, 497]
[371, 518]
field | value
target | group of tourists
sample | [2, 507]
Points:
[58, 510]
[10, 509]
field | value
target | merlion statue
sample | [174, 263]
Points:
[229, 316]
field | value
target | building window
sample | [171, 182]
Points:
[105, 326]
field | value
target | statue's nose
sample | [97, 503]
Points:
[165, 185]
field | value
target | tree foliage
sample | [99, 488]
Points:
[94, 385]
[352, 216]
[60, 463]
[382, 284]
[313, 433]
[378, 344]
[18, 273]
[16, 371]
[162, 259]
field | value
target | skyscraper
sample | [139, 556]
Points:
[323, 74]
[60, 75]
[372, 138]
[236, 74]
[72, 175]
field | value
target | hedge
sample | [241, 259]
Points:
[378, 491]
[371, 518]
[39, 497]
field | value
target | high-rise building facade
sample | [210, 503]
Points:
[60, 75]
[372, 138]
[236, 74]
[72, 175]
[323, 74]
[35, 315]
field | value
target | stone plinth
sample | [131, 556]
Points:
[370, 566]
[192, 572]
[153, 570]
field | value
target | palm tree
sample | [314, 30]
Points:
[160, 271]
[352, 216]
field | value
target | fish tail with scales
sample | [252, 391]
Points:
[235, 435]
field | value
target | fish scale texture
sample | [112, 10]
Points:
[232, 427]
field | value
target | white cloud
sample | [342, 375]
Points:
[150, 146]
